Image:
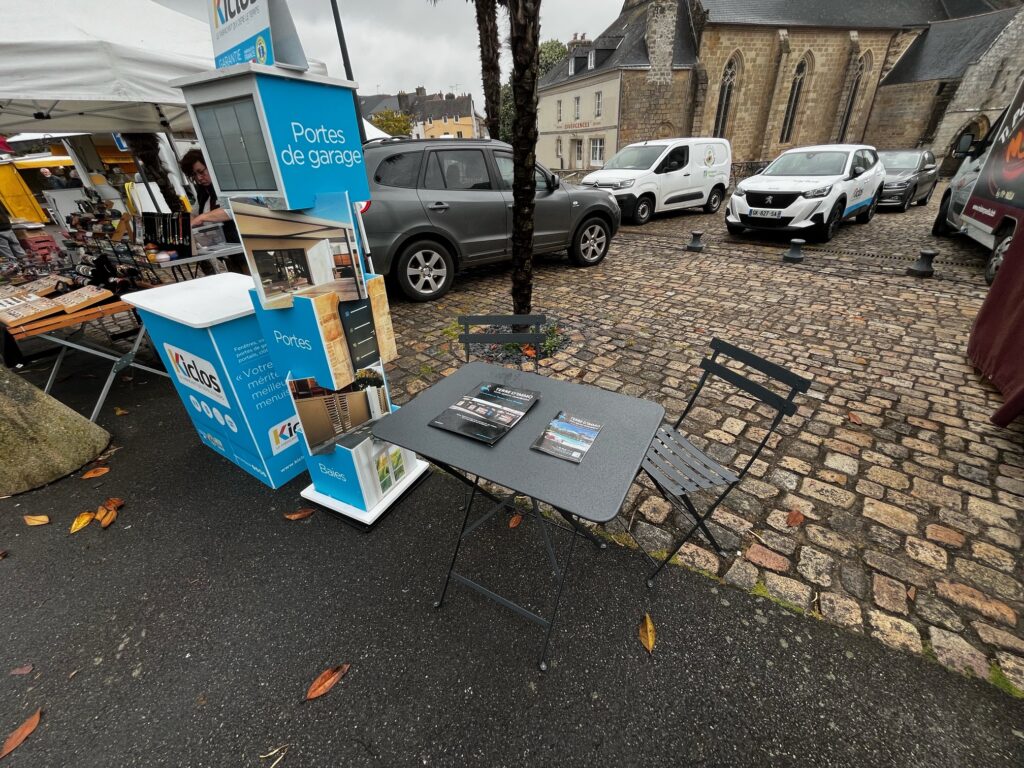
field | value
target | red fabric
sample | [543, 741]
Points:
[997, 340]
[5, 147]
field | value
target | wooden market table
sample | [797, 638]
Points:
[59, 328]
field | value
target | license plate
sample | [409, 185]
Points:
[761, 213]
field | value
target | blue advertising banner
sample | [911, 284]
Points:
[315, 136]
[240, 30]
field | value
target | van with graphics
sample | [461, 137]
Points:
[985, 198]
[666, 175]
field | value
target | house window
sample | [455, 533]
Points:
[444, 119]
[572, 65]
[458, 134]
[558, 147]
[597, 104]
[558, 109]
[576, 108]
[851, 100]
[725, 94]
[793, 105]
[590, 60]
[597, 151]
[579, 152]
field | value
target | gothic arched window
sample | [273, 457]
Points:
[793, 105]
[725, 93]
[851, 99]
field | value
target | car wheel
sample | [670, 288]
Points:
[714, 200]
[590, 243]
[735, 229]
[995, 261]
[425, 270]
[869, 214]
[910, 199]
[644, 210]
[941, 227]
[828, 230]
[924, 200]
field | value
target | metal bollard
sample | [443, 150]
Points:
[794, 255]
[923, 266]
[695, 244]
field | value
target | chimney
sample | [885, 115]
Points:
[578, 41]
[421, 90]
[660, 37]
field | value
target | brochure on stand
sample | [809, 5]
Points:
[487, 412]
[568, 437]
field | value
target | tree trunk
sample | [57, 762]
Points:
[524, 18]
[490, 62]
[41, 440]
[146, 147]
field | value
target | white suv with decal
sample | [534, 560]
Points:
[809, 190]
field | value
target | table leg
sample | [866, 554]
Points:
[584, 531]
[458, 543]
[56, 367]
[554, 613]
[119, 365]
[547, 538]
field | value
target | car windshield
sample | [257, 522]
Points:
[807, 164]
[635, 158]
[900, 161]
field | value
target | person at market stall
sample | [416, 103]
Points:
[49, 180]
[74, 180]
[207, 210]
[117, 179]
[11, 252]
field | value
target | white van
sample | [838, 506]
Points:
[666, 175]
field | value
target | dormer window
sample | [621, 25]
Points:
[590, 60]
[572, 65]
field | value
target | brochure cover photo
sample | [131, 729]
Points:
[568, 437]
[327, 414]
[487, 412]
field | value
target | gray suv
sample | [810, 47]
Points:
[438, 205]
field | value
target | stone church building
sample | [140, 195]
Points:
[773, 74]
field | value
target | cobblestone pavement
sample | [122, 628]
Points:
[911, 498]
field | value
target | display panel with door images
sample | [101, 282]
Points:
[327, 414]
[306, 252]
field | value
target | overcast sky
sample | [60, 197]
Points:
[400, 44]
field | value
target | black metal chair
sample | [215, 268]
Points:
[678, 468]
[534, 337]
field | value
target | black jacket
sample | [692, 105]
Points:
[208, 194]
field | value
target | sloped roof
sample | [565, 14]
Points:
[947, 48]
[845, 14]
[627, 35]
[371, 105]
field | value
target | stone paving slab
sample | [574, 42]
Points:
[912, 500]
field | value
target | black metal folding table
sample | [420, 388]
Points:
[592, 490]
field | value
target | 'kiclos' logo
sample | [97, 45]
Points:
[225, 10]
[196, 373]
[285, 434]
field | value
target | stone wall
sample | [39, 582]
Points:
[767, 58]
[651, 110]
[900, 115]
[986, 87]
[660, 38]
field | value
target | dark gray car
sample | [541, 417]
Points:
[438, 205]
[910, 177]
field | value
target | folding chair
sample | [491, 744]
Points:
[678, 468]
[535, 337]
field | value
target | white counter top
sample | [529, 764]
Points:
[198, 303]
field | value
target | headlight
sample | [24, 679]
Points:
[896, 184]
[739, 192]
[625, 183]
[819, 192]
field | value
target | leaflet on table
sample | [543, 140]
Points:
[487, 412]
[568, 437]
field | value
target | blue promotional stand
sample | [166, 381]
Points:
[210, 342]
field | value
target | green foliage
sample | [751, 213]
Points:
[553, 339]
[551, 52]
[393, 123]
[998, 678]
[506, 113]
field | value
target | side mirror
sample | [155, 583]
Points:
[929, 167]
[963, 147]
[554, 182]
[858, 170]
[672, 166]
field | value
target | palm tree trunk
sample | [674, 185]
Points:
[490, 62]
[524, 18]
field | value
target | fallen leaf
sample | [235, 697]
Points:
[3, 554]
[20, 734]
[105, 516]
[24, 670]
[95, 472]
[120, 411]
[855, 418]
[647, 633]
[82, 520]
[72, 674]
[912, 593]
[795, 518]
[36, 519]
[274, 751]
[299, 514]
[515, 520]
[529, 350]
[326, 680]
[113, 503]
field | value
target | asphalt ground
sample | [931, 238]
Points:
[187, 633]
